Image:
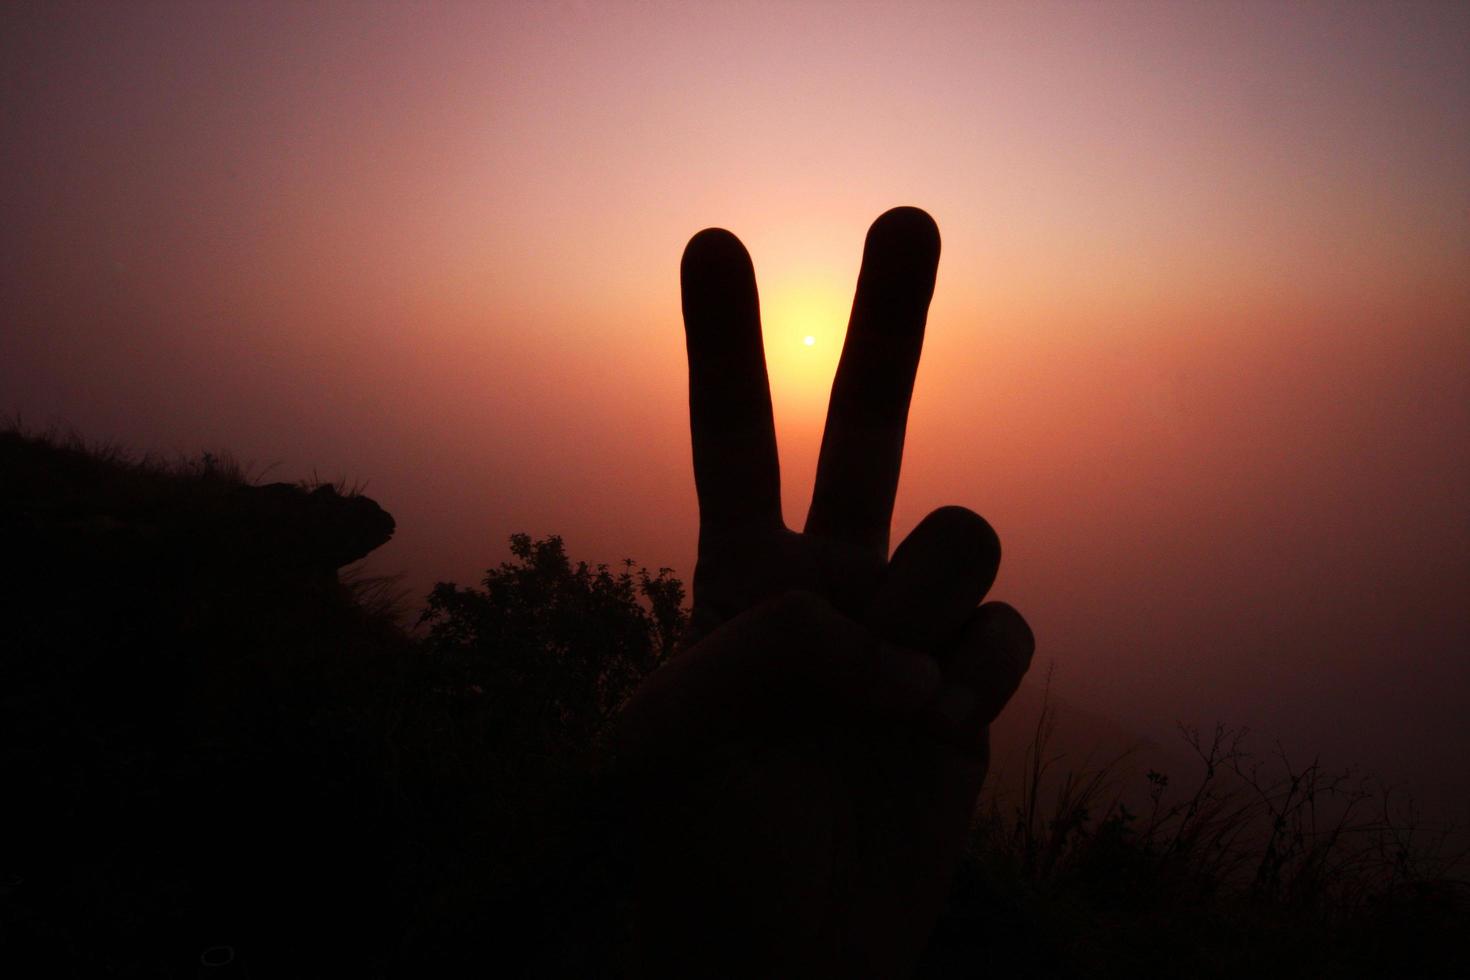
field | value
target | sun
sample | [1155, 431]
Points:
[809, 340]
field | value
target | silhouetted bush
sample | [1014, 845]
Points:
[556, 648]
[497, 754]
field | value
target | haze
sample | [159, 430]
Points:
[1199, 347]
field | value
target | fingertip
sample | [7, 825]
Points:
[964, 539]
[909, 227]
[714, 247]
[1010, 631]
[993, 655]
[717, 281]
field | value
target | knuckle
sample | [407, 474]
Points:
[1008, 629]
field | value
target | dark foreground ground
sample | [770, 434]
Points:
[221, 759]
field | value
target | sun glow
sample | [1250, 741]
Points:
[803, 326]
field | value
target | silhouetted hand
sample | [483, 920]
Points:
[807, 767]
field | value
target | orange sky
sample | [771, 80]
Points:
[1199, 347]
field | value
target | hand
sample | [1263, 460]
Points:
[807, 767]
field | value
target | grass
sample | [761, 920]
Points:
[1248, 865]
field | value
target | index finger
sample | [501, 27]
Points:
[862, 447]
[736, 472]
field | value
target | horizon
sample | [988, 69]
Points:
[1197, 351]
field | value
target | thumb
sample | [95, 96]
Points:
[793, 660]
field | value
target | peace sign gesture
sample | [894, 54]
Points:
[810, 761]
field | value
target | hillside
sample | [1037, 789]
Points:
[193, 707]
[222, 746]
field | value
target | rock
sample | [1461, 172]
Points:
[65, 507]
[318, 528]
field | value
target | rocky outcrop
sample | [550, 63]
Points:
[65, 505]
[297, 527]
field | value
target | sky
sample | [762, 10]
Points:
[1199, 348]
